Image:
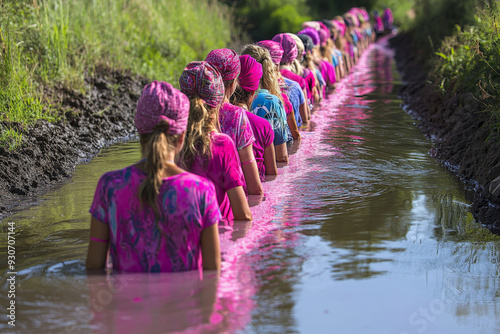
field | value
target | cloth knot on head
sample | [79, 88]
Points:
[201, 79]
[160, 101]
[289, 47]
[226, 61]
[274, 48]
[314, 34]
[251, 72]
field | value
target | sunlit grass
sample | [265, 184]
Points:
[48, 42]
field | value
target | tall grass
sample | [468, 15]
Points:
[469, 61]
[48, 42]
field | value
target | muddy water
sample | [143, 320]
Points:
[362, 232]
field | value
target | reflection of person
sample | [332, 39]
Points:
[165, 302]
[208, 152]
[155, 216]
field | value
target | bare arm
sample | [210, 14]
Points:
[97, 251]
[210, 248]
[270, 160]
[239, 203]
[281, 153]
[303, 109]
[292, 124]
[250, 170]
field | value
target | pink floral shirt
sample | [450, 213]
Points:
[187, 204]
[234, 122]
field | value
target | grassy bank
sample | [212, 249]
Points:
[49, 42]
[461, 44]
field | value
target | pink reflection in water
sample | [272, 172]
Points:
[151, 303]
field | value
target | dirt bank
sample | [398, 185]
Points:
[51, 151]
[459, 130]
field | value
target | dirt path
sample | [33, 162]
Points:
[460, 133]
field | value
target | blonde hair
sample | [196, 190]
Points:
[202, 121]
[270, 73]
[154, 148]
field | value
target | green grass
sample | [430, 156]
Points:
[49, 42]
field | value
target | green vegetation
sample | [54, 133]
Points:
[49, 42]
[469, 61]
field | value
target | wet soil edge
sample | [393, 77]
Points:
[51, 150]
[459, 130]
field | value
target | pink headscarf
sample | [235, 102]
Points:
[160, 101]
[323, 36]
[251, 72]
[289, 47]
[275, 49]
[199, 78]
[311, 33]
[311, 24]
[226, 61]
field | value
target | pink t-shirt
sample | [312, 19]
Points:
[187, 204]
[311, 82]
[328, 72]
[264, 136]
[223, 169]
[234, 122]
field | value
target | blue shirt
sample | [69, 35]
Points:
[296, 97]
[270, 107]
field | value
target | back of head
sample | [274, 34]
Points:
[289, 47]
[161, 117]
[227, 62]
[269, 79]
[203, 84]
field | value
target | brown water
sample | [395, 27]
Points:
[362, 232]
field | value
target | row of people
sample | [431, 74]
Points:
[208, 145]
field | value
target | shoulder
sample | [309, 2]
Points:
[194, 181]
[221, 140]
[232, 108]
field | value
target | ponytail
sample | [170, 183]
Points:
[154, 148]
[201, 122]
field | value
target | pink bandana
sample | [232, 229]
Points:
[274, 48]
[251, 72]
[289, 47]
[226, 61]
[314, 34]
[161, 102]
[199, 78]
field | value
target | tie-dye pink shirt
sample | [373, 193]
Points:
[234, 122]
[187, 204]
[223, 169]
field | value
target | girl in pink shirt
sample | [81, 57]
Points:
[208, 152]
[154, 216]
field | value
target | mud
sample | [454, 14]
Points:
[459, 130]
[51, 150]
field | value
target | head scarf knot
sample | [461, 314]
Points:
[289, 47]
[226, 61]
[199, 78]
[160, 101]
[251, 72]
[274, 48]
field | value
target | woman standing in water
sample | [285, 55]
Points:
[233, 120]
[154, 216]
[251, 72]
[208, 152]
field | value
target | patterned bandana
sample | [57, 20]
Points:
[161, 102]
[275, 49]
[226, 61]
[289, 47]
[199, 78]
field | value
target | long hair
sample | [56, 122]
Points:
[154, 148]
[241, 97]
[202, 120]
[269, 78]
